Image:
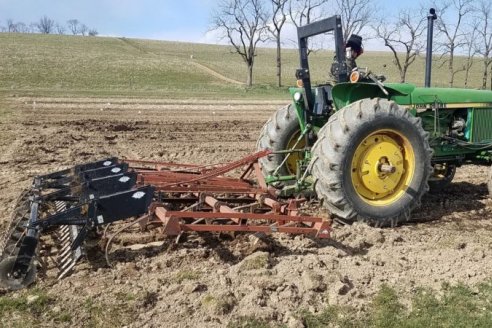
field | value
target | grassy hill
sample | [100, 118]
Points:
[58, 64]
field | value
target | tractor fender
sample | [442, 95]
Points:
[347, 93]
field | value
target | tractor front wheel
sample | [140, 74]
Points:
[281, 132]
[441, 177]
[372, 162]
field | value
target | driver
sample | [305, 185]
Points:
[353, 50]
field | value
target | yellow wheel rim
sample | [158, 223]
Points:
[291, 162]
[382, 167]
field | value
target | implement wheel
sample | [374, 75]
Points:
[372, 162]
[441, 177]
[281, 132]
[9, 281]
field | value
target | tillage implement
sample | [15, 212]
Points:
[66, 206]
[368, 150]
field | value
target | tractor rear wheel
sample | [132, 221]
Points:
[372, 162]
[281, 132]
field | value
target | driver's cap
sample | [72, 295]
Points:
[355, 42]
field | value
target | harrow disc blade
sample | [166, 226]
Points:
[9, 281]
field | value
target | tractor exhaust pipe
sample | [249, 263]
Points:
[431, 17]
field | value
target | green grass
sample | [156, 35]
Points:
[36, 307]
[95, 66]
[20, 312]
[458, 306]
[257, 262]
[252, 322]
[186, 275]
[102, 314]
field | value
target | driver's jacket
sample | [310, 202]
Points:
[351, 64]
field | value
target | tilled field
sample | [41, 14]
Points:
[210, 280]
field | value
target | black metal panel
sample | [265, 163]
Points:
[106, 209]
[103, 172]
[121, 205]
[79, 168]
[112, 184]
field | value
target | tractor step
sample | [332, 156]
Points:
[174, 198]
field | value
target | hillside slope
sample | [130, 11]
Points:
[102, 65]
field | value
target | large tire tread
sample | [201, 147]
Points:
[275, 135]
[333, 141]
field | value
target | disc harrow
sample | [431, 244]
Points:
[65, 206]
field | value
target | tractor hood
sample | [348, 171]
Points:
[409, 94]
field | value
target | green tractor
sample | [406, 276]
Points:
[369, 150]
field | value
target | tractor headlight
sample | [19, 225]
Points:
[297, 96]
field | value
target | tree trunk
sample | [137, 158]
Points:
[403, 75]
[484, 80]
[490, 77]
[279, 63]
[467, 74]
[450, 67]
[249, 81]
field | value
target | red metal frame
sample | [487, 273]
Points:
[222, 203]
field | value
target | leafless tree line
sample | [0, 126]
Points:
[46, 25]
[463, 27]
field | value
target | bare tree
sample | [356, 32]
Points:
[60, 29]
[18, 27]
[484, 33]
[93, 32]
[356, 15]
[471, 51]
[279, 17]
[11, 26]
[45, 25]
[243, 23]
[22, 28]
[302, 12]
[33, 28]
[450, 27]
[403, 35]
[83, 29]
[73, 26]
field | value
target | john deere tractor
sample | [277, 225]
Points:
[370, 150]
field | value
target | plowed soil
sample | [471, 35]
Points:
[210, 280]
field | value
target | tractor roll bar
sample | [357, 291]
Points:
[333, 23]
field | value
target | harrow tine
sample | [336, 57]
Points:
[66, 264]
[65, 237]
[65, 247]
[65, 272]
[63, 257]
[68, 254]
[64, 260]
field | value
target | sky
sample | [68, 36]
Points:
[182, 20]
